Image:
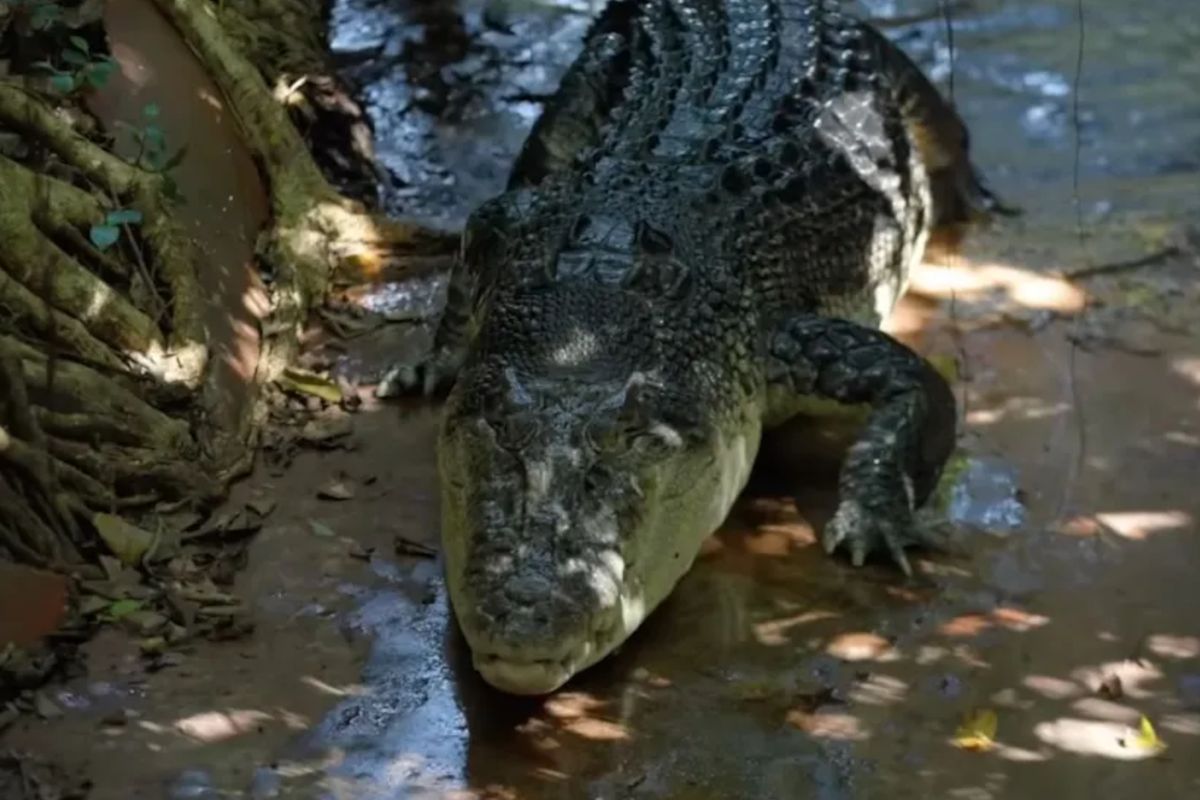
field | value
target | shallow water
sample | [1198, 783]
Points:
[773, 671]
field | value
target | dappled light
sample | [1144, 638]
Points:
[978, 282]
[1139, 525]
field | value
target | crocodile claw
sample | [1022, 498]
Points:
[864, 531]
[425, 378]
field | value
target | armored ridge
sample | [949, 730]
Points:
[700, 236]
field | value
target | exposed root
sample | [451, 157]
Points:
[107, 397]
[313, 228]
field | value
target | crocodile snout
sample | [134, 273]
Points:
[533, 628]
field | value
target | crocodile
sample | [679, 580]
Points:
[698, 240]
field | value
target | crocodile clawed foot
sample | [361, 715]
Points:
[865, 531]
[426, 378]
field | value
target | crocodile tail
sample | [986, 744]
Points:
[573, 119]
[959, 192]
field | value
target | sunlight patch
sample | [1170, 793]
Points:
[978, 282]
[217, 726]
[1139, 525]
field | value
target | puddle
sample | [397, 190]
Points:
[986, 496]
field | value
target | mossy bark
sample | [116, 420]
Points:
[105, 390]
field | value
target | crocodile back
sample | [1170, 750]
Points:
[765, 137]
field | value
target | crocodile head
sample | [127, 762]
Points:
[576, 486]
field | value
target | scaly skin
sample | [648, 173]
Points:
[702, 232]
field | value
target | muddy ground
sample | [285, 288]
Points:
[1068, 611]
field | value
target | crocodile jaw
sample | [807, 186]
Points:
[519, 675]
[662, 549]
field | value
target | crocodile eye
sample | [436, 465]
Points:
[658, 437]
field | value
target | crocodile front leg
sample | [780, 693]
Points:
[895, 464]
[436, 371]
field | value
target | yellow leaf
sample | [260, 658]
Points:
[946, 366]
[978, 730]
[303, 382]
[127, 542]
[1146, 738]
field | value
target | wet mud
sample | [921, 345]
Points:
[1066, 608]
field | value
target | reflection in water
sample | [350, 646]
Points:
[986, 497]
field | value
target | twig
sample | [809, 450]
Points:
[1072, 341]
[1089, 271]
[408, 547]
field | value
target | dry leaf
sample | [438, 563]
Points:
[336, 490]
[127, 542]
[304, 382]
[123, 608]
[946, 366]
[263, 506]
[321, 529]
[1111, 688]
[978, 731]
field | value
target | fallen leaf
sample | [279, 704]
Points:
[1146, 739]
[978, 731]
[45, 707]
[360, 552]
[409, 547]
[321, 529]
[153, 645]
[123, 608]
[336, 490]
[309, 383]
[93, 604]
[127, 542]
[324, 430]
[113, 567]
[145, 622]
[1111, 688]
[946, 366]
[262, 506]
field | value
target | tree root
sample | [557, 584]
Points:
[313, 228]
[89, 344]
[175, 354]
[106, 393]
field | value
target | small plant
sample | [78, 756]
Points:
[152, 152]
[33, 16]
[81, 68]
[105, 234]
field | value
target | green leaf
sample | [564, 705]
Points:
[44, 16]
[81, 43]
[154, 135]
[98, 72]
[123, 608]
[63, 82]
[150, 111]
[44, 65]
[302, 381]
[123, 216]
[74, 57]
[104, 236]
